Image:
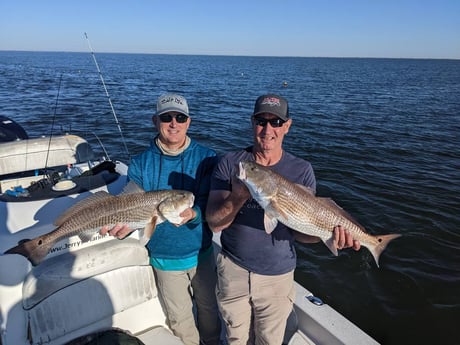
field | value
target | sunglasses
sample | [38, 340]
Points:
[180, 118]
[275, 123]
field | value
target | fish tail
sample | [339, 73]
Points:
[34, 250]
[383, 241]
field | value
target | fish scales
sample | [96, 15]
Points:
[304, 213]
[113, 211]
[298, 208]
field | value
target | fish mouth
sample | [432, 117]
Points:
[242, 172]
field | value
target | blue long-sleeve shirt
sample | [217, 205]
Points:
[177, 247]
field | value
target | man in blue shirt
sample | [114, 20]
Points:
[181, 255]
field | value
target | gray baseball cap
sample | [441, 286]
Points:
[172, 102]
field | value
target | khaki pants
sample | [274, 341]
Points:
[254, 307]
[176, 291]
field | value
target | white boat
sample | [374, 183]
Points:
[104, 285]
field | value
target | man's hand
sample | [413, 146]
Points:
[187, 215]
[119, 231]
[344, 239]
[239, 190]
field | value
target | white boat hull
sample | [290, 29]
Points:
[87, 287]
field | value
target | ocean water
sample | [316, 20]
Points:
[382, 135]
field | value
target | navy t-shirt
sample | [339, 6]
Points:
[245, 240]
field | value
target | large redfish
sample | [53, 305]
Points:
[299, 209]
[133, 207]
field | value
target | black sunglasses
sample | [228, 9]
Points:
[275, 123]
[180, 118]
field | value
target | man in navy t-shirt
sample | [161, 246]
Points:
[255, 289]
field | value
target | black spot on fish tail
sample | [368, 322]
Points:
[383, 240]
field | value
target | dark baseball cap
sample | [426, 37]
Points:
[272, 104]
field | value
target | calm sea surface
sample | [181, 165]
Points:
[382, 135]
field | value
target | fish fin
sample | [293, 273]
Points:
[383, 241]
[86, 236]
[330, 244]
[149, 230]
[307, 189]
[276, 211]
[131, 187]
[328, 202]
[143, 241]
[271, 216]
[270, 223]
[34, 250]
[87, 202]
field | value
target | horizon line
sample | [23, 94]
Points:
[232, 55]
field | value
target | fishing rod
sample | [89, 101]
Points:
[107, 94]
[52, 125]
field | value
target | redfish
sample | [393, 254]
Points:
[299, 209]
[134, 207]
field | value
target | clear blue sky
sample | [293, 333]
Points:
[332, 28]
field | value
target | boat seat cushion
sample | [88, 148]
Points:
[73, 290]
[61, 271]
[43, 152]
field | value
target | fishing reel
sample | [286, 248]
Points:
[46, 182]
